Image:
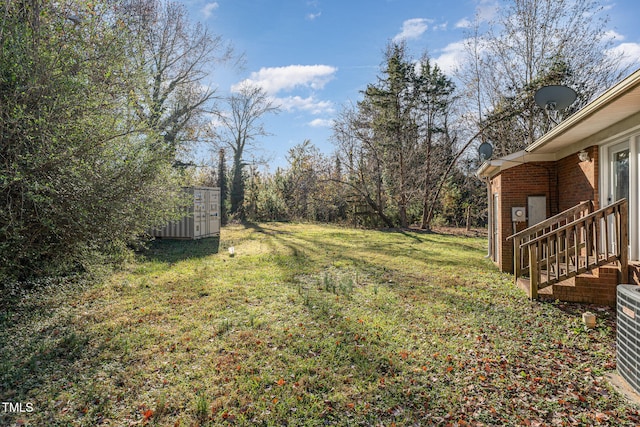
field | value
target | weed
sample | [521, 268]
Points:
[202, 408]
[252, 321]
[224, 327]
[306, 295]
[346, 286]
[329, 285]
[161, 405]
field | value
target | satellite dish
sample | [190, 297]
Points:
[485, 150]
[555, 97]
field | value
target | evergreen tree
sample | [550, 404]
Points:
[222, 183]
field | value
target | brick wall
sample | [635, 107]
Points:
[513, 187]
[578, 181]
[565, 183]
[597, 287]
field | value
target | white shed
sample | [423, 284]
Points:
[202, 217]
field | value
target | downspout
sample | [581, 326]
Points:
[490, 224]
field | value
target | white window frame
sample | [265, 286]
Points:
[632, 141]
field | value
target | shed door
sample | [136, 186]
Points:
[537, 209]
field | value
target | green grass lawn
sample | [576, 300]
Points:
[306, 325]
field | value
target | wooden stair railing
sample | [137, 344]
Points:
[587, 242]
[521, 255]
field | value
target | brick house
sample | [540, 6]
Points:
[564, 212]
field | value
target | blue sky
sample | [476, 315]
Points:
[313, 56]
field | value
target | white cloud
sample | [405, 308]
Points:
[441, 27]
[208, 9]
[413, 28]
[276, 79]
[487, 10]
[452, 56]
[321, 123]
[628, 53]
[463, 23]
[309, 104]
[613, 35]
[312, 16]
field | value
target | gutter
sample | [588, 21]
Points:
[492, 167]
[483, 167]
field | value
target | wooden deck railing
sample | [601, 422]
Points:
[565, 251]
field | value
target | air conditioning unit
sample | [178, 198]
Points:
[628, 334]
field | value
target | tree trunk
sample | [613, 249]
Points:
[402, 208]
[425, 224]
[379, 210]
[237, 187]
[222, 183]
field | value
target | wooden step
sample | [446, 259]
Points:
[525, 284]
[566, 271]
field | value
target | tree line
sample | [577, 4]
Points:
[405, 152]
[100, 103]
[394, 163]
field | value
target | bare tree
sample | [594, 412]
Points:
[238, 129]
[178, 56]
[530, 44]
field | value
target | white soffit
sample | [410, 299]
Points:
[493, 167]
